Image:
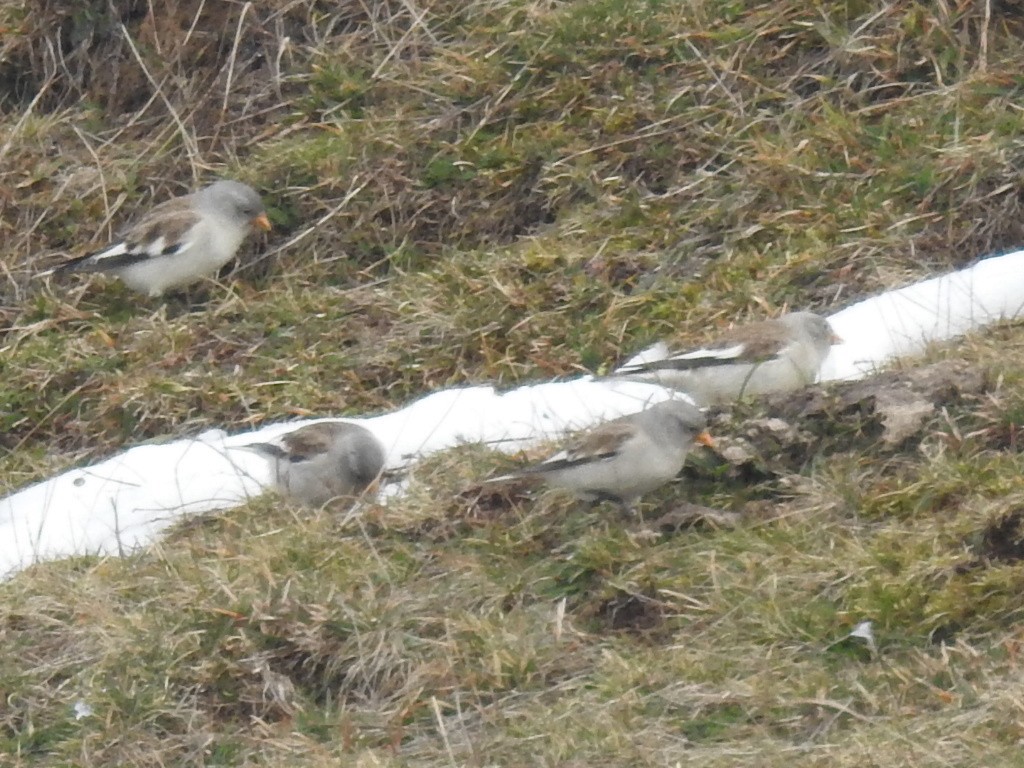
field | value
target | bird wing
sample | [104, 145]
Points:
[599, 444]
[698, 358]
[657, 351]
[307, 442]
[754, 343]
[169, 228]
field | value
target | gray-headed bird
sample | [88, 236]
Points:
[323, 461]
[756, 359]
[622, 459]
[179, 241]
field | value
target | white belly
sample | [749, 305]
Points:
[211, 248]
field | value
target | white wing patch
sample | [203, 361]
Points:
[155, 247]
[724, 353]
[161, 246]
[557, 458]
[139, 252]
[118, 249]
[636, 365]
[654, 353]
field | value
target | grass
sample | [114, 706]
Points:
[506, 192]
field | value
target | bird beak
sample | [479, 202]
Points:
[704, 438]
[262, 222]
[835, 338]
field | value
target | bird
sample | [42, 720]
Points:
[324, 461]
[622, 459]
[777, 355]
[180, 240]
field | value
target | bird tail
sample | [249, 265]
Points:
[266, 449]
[118, 255]
[74, 265]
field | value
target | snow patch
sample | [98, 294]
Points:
[123, 503]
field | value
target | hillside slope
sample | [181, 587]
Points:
[503, 192]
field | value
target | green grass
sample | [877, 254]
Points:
[508, 192]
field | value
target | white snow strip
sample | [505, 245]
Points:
[124, 502]
[901, 323]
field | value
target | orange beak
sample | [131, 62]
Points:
[835, 338]
[704, 438]
[262, 222]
